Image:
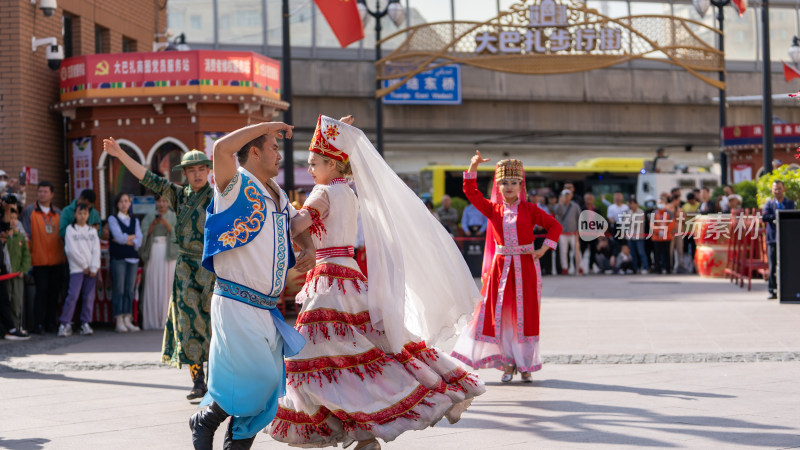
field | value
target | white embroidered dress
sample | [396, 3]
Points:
[345, 384]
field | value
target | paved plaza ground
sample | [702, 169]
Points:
[630, 362]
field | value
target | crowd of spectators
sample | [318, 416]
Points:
[50, 260]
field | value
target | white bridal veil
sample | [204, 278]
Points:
[419, 285]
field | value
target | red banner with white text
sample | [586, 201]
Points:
[158, 73]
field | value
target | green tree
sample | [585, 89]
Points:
[749, 192]
[790, 178]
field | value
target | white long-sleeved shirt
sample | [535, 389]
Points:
[82, 247]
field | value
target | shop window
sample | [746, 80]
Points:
[67, 22]
[782, 26]
[241, 22]
[741, 38]
[102, 40]
[176, 20]
[128, 45]
[194, 18]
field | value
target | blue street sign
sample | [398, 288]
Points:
[440, 86]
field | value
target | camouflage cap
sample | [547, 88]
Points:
[193, 158]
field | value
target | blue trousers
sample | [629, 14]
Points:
[640, 258]
[123, 282]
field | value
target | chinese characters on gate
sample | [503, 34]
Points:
[536, 40]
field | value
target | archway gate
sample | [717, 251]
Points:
[542, 37]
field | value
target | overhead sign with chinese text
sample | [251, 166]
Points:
[564, 37]
[539, 37]
[440, 86]
[158, 73]
[738, 137]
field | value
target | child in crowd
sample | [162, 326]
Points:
[20, 261]
[82, 247]
[624, 261]
[7, 320]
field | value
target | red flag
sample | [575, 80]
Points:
[741, 6]
[343, 17]
[790, 73]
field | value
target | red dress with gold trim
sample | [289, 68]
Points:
[505, 327]
[344, 386]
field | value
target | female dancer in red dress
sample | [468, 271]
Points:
[504, 332]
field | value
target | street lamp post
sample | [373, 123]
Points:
[766, 87]
[395, 12]
[286, 78]
[702, 6]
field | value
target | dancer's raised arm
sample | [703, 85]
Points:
[470, 185]
[226, 147]
[111, 147]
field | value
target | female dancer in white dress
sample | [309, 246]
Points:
[368, 370]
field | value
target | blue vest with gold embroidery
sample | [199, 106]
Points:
[237, 226]
[241, 223]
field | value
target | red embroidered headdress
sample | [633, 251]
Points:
[327, 141]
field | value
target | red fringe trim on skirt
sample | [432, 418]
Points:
[320, 321]
[334, 272]
[328, 368]
[306, 425]
[404, 409]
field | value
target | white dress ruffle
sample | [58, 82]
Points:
[346, 385]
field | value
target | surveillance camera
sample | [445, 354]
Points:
[48, 7]
[55, 54]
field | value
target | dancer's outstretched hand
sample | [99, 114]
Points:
[348, 120]
[477, 159]
[306, 260]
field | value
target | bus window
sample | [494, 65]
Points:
[426, 182]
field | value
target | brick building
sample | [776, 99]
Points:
[31, 131]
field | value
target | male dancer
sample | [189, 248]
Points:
[247, 245]
[187, 332]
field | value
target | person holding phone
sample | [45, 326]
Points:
[159, 254]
